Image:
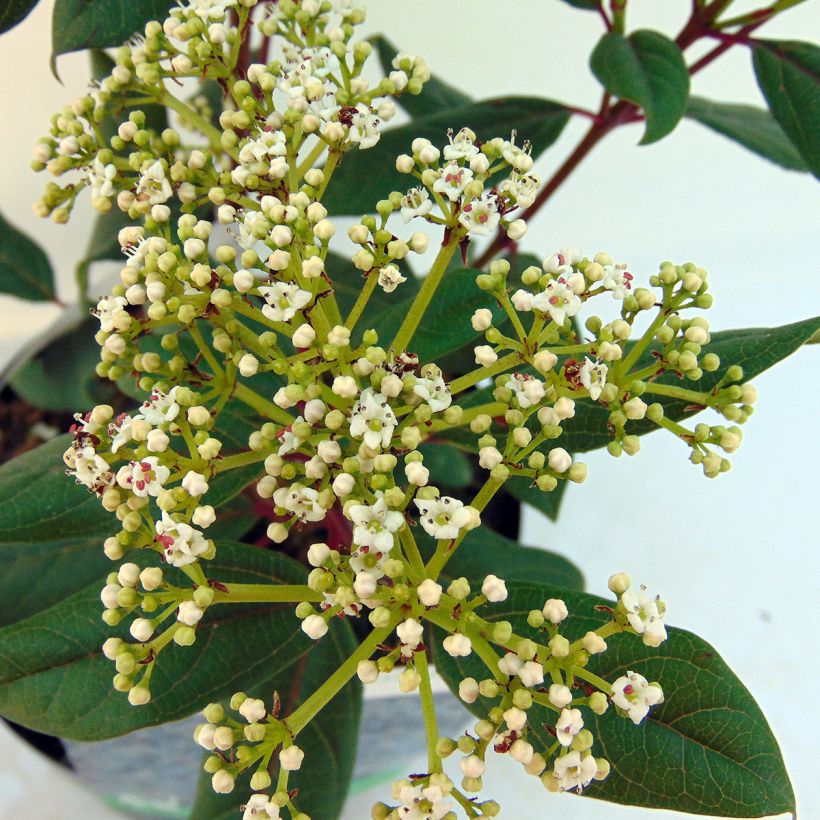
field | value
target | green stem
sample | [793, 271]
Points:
[267, 408]
[425, 295]
[429, 710]
[361, 300]
[411, 550]
[328, 690]
[264, 593]
[481, 373]
[677, 393]
[589, 677]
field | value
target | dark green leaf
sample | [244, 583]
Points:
[81, 24]
[788, 72]
[447, 465]
[364, 177]
[436, 96]
[446, 324]
[51, 533]
[647, 69]
[484, 552]
[53, 677]
[14, 12]
[752, 127]
[548, 503]
[24, 268]
[62, 377]
[754, 349]
[329, 740]
[706, 750]
[234, 520]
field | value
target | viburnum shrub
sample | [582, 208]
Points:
[269, 355]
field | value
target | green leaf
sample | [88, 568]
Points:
[446, 324]
[329, 740]
[24, 268]
[62, 377]
[436, 96]
[485, 552]
[364, 177]
[51, 533]
[647, 69]
[788, 73]
[754, 349]
[706, 750]
[81, 24]
[752, 127]
[522, 488]
[447, 465]
[54, 678]
[14, 12]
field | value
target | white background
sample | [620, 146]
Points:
[735, 558]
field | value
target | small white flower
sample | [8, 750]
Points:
[259, 806]
[89, 468]
[480, 216]
[569, 723]
[559, 695]
[291, 758]
[367, 671]
[443, 518]
[558, 300]
[555, 610]
[160, 408]
[421, 802]
[143, 478]
[489, 457]
[301, 501]
[593, 377]
[571, 771]
[645, 615]
[101, 178]
[429, 592]
[531, 673]
[390, 278]
[457, 646]
[468, 690]
[283, 299]
[372, 419]
[435, 392]
[485, 355]
[375, 524]
[314, 626]
[482, 319]
[515, 718]
[194, 484]
[527, 389]
[416, 202]
[189, 613]
[462, 145]
[618, 280]
[364, 129]
[510, 664]
[181, 543]
[112, 313]
[472, 766]
[494, 589]
[452, 181]
[635, 695]
[253, 710]
[410, 633]
[153, 185]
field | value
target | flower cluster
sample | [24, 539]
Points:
[229, 315]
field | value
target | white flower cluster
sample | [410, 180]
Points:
[214, 329]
